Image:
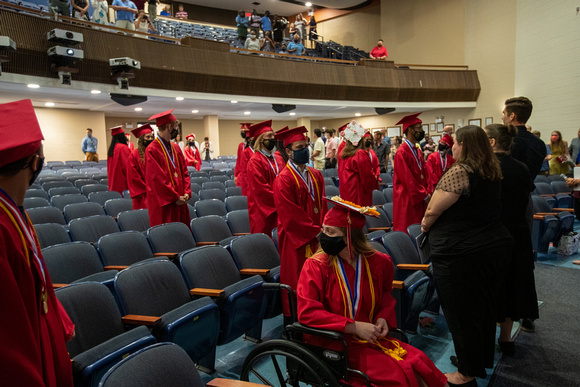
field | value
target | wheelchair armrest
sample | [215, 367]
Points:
[221, 382]
[206, 292]
[413, 266]
[300, 328]
[170, 256]
[115, 267]
[198, 244]
[564, 210]
[58, 286]
[254, 271]
[135, 319]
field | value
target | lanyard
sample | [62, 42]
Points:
[168, 152]
[307, 182]
[277, 171]
[353, 294]
[167, 160]
[371, 156]
[444, 166]
[415, 153]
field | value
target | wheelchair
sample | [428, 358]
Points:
[292, 361]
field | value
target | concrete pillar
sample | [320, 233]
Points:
[305, 121]
[211, 127]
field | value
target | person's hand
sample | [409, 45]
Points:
[181, 201]
[424, 226]
[235, 180]
[427, 199]
[366, 331]
[383, 327]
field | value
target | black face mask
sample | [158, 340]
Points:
[243, 134]
[174, 133]
[147, 142]
[300, 156]
[368, 143]
[419, 136]
[332, 245]
[35, 173]
[269, 144]
[442, 147]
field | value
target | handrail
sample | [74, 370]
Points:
[310, 58]
[464, 67]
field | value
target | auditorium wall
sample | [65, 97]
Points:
[230, 134]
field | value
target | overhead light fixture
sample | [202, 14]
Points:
[195, 111]
[49, 104]
[95, 91]
[33, 86]
[179, 98]
[357, 114]
[138, 109]
[234, 101]
[308, 4]
[292, 114]
[247, 113]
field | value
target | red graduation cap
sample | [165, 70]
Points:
[367, 134]
[409, 120]
[447, 139]
[142, 130]
[116, 130]
[163, 118]
[346, 214]
[343, 127]
[190, 136]
[260, 128]
[288, 136]
[20, 129]
[245, 126]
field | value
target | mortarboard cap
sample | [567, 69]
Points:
[190, 136]
[142, 130]
[163, 118]
[447, 139]
[116, 130]
[18, 115]
[346, 214]
[343, 127]
[245, 126]
[260, 128]
[409, 120]
[288, 136]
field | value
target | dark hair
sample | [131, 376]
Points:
[503, 135]
[90, 130]
[381, 40]
[477, 153]
[206, 139]
[350, 149]
[521, 107]
[117, 138]
[14, 167]
[318, 132]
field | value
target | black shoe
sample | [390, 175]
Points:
[528, 325]
[507, 347]
[471, 383]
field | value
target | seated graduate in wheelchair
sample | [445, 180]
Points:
[346, 287]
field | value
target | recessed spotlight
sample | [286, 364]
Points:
[247, 113]
[234, 101]
[179, 98]
[195, 111]
[308, 4]
[33, 86]
[357, 114]
[49, 104]
[138, 109]
[293, 114]
[95, 91]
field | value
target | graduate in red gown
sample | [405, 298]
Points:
[439, 162]
[34, 325]
[356, 176]
[136, 179]
[332, 296]
[280, 155]
[298, 196]
[261, 170]
[240, 171]
[410, 188]
[191, 153]
[342, 143]
[129, 143]
[118, 161]
[168, 184]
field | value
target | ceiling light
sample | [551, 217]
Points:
[357, 114]
[234, 101]
[308, 4]
[195, 111]
[247, 113]
[292, 114]
[179, 98]
[33, 86]
[49, 104]
[95, 91]
[138, 109]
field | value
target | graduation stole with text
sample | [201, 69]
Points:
[176, 165]
[351, 298]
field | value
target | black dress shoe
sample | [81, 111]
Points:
[507, 347]
[471, 383]
[528, 325]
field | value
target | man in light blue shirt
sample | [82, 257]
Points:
[126, 11]
[89, 146]
[266, 22]
[295, 47]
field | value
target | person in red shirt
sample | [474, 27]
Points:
[356, 176]
[118, 161]
[365, 314]
[298, 196]
[379, 52]
[35, 326]
[439, 162]
[410, 188]
[262, 169]
[136, 179]
[191, 153]
[168, 184]
[239, 171]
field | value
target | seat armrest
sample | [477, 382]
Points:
[541, 217]
[564, 210]
[240, 233]
[58, 286]
[198, 244]
[398, 284]
[206, 292]
[546, 213]
[328, 334]
[548, 195]
[255, 271]
[171, 256]
[379, 229]
[413, 266]
[115, 267]
[137, 319]
[221, 382]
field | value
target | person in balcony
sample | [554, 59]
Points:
[126, 11]
[379, 52]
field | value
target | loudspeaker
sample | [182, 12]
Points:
[381, 111]
[282, 108]
[128, 100]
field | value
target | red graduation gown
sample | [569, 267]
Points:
[409, 189]
[238, 169]
[246, 156]
[279, 158]
[131, 146]
[136, 180]
[192, 157]
[320, 305]
[32, 350]
[357, 178]
[435, 168]
[375, 163]
[119, 166]
[298, 222]
[261, 172]
[163, 187]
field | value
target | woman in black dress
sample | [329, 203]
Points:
[469, 245]
[518, 297]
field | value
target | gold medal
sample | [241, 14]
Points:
[44, 300]
[421, 176]
[316, 210]
[175, 174]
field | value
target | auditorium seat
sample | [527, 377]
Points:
[382, 223]
[388, 209]
[170, 238]
[230, 184]
[81, 210]
[210, 207]
[35, 202]
[114, 207]
[234, 203]
[211, 229]
[564, 194]
[91, 228]
[388, 193]
[199, 180]
[102, 196]
[213, 185]
[56, 183]
[62, 201]
[50, 234]
[193, 198]
[192, 213]
[195, 188]
[90, 188]
[220, 178]
[238, 221]
[414, 231]
[378, 198]
[199, 174]
[63, 191]
[42, 215]
[81, 182]
[134, 220]
[124, 248]
[233, 191]
[212, 193]
[330, 191]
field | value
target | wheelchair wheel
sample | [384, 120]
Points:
[284, 363]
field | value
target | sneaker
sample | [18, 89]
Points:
[528, 325]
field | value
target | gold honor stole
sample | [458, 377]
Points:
[177, 167]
